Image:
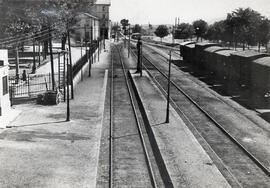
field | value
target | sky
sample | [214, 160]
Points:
[165, 11]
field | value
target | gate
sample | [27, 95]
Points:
[32, 85]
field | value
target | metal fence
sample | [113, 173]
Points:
[35, 84]
[31, 86]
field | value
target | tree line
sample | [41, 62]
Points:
[244, 27]
[20, 19]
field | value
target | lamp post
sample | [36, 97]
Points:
[70, 62]
[168, 90]
[89, 59]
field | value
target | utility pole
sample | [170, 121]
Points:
[68, 80]
[104, 46]
[52, 64]
[34, 58]
[90, 60]
[17, 63]
[168, 91]
[85, 41]
[128, 40]
[70, 61]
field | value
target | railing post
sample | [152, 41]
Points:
[28, 84]
[10, 94]
[90, 60]
[49, 80]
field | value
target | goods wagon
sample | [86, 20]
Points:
[199, 52]
[240, 66]
[221, 67]
[209, 58]
[186, 50]
[260, 75]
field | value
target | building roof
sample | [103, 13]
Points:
[265, 61]
[213, 49]
[103, 2]
[248, 54]
[186, 43]
[206, 44]
[225, 52]
[192, 45]
[91, 16]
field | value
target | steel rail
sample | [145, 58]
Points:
[150, 168]
[250, 155]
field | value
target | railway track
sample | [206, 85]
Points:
[240, 167]
[131, 158]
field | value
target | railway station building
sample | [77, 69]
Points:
[4, 89]
[101, 9]
[87, 26]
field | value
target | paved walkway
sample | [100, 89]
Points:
[43, 150]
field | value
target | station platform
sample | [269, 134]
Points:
[42, 149]
[187, 162]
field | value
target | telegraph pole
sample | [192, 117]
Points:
[51, 57]
[17, 60]
[34, 58]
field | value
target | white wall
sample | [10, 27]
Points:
[4, 99]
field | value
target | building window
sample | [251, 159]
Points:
[5, 85]
[103, 8]
[103, 16]
[1, 63]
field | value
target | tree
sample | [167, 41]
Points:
[243, 23]
[137, 29]
[200, 28]
[57, 14]
[162, 31]
[184, 31]
[216, 31]
[115, 28]
[263, 32]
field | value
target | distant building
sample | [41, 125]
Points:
[101, 9]
[4, 89]
[87, 26]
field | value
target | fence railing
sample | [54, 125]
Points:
[35, 84]
[31, 86]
